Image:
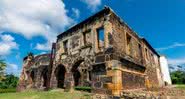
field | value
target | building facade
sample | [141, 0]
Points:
[104, 53]
[165, 70]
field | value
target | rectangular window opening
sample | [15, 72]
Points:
[140, 50]
[146, 53]
[86, 37]
[65, 44]
[128, 44]
[101, 39]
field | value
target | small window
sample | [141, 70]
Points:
[100, 35]
[86, 37]
[65, 45]
[140, 50]
[128, 44]
[146, 53]
[152, 56]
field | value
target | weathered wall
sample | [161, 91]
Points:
[34, 73]
[120, 30]
[165, 70]
[133, 81]
[137, 53]
[81, 59]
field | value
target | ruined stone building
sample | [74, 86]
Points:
[101, 52]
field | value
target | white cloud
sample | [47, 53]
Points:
[7, 44]
[92, 4]
[12, 69]
[76, 12]
[46, 46]
[177, 61]
[171, 46]
[31, 18]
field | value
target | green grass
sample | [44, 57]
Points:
[180, 87]
[12, 90]
[46, 95]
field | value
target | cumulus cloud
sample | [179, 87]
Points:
[92, 4]
[171, 46]
[12, 69]
[31, 18]
[7, 44]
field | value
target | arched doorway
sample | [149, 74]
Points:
[60, 75]
[76, 72]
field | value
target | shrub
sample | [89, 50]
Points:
[178, 77]
[82, 88]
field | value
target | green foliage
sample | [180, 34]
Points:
[178, 77]
[2, 68]
[10, 81]
[88, 89]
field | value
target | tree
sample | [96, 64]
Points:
[2, 68]
[10, 81]
[178, 77]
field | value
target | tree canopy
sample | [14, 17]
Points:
[2, 69]
[10, 81]
[178, 77]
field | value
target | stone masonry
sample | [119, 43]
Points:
[101, 52]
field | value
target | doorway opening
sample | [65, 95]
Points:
[60, 76]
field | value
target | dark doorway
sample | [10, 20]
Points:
[32, 75]
[76, 73]
[60, 75]
[44, 77]
[99, 69]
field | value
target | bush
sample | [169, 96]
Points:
[9, 82]
[7, 90]
[178, 77]
[88, 89]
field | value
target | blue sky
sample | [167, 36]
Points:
[33, 25]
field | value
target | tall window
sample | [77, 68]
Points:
[100, 34]
[86, 37]
[146, 53]
[128, 44]
[152, 58]
[140, 50]
[65, 45]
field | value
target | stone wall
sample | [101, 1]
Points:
[132, 81]
[34, 73]
[109, 63]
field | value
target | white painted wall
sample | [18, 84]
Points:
[165, 70]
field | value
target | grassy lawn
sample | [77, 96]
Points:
[180, 87]
[45, 95]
